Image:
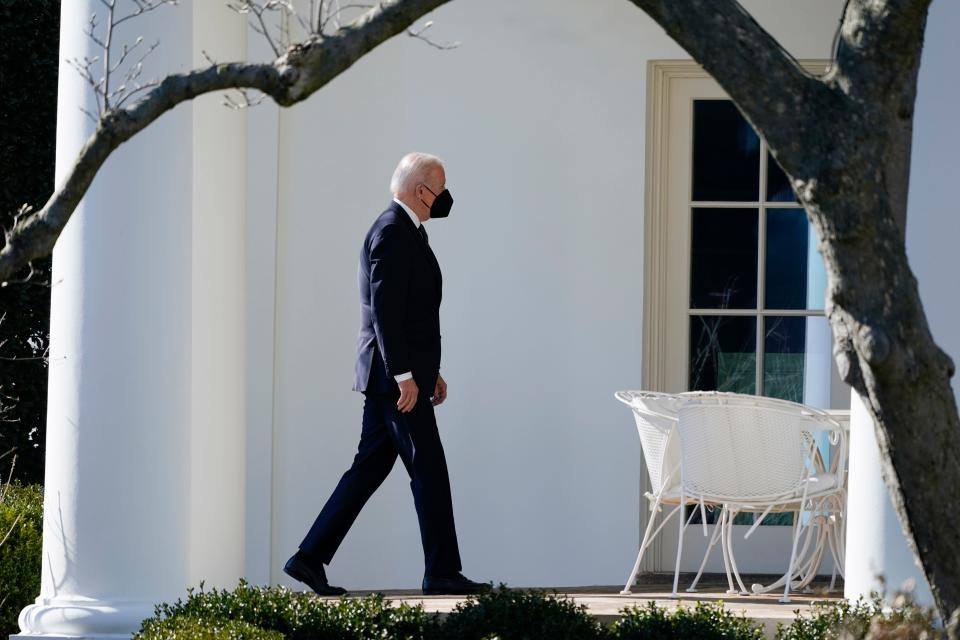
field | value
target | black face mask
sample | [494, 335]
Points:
[442, 203]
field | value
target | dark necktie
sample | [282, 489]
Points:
[423, 234]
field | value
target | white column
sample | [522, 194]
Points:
[116, 504]
[262, 170]
[876, 545]
[218, 391]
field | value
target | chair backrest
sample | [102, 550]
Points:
[656, 417]
[739, 448]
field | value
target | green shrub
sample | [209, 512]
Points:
[21, 514]
[509, 614]
[275, 613]
[864, 620]
[704, 621]
[203, 629]
[295, 615]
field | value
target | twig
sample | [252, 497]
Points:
[250, 7]
[127, 49]
[246, 103]
[144, 6]
[108, 100]
[335, 15]
[23, 280]
[137, 89]
[419, 35]
[12, 527]
[227, 100]
[6, 488]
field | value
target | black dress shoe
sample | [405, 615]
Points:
[315, 578]
[455, 585]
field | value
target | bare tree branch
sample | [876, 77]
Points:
[291, 78]
[744, 58]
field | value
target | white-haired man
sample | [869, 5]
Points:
[398, 359]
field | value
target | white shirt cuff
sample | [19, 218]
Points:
[403, 376]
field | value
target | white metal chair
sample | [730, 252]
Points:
[656, 418]
[749, 453]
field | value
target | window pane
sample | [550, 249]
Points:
[723, 267]
[692, 514]
[778, 185]
[797, 359]
[726, 153]
[723, 353]
[795, 275]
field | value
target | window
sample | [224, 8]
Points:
[757, 283]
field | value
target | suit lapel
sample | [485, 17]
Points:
[425, 247]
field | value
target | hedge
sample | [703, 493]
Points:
[270, 613]
[20, 554]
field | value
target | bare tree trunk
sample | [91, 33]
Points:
[844, 140]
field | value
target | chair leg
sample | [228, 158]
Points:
[713, 542]
[676, 569]
[773, 586]
[810, 555]
[793, 549]
[643, 547]
[733, 560]
[724, 534]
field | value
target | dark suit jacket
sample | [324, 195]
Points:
[400, 291]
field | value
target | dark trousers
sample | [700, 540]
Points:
[388, 433]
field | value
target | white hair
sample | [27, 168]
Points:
[413, 168]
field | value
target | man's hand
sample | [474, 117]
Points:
[439, 392]
[408, 395]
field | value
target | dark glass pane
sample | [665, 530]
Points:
[784, 345]
[692, 513]
[797, 359]
[778, 185]
[726, 153]
[723, 353]
[795, 275]
[723, 267]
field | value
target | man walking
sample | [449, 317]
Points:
[398, 371]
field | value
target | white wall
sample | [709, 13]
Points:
[540, 117]
[933, 221]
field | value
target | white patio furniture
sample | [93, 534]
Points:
[748, 453]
